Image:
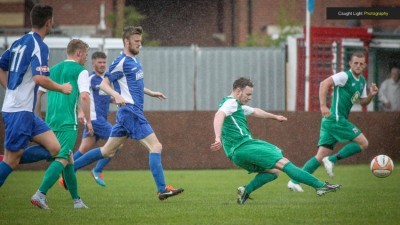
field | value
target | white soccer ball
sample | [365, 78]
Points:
[382, 166]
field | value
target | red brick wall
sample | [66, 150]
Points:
[186, 137]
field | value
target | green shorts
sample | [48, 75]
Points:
[256, 155]
[67, 140]
[333, 131]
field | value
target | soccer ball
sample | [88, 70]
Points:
[382, 166]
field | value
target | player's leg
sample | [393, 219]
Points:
[302, 176]
[9, 163]
[48, 145]
[345, 131]
[87, 143]
[108, 150]
[155, 148]
[18, 132]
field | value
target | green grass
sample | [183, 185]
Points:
[209, 198]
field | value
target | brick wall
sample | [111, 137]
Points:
[186, 138]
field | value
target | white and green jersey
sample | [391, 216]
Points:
[235, 130]
[62, 111]
[348, 89]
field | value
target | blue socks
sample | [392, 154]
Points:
[157, 170]
[34, 154]
[101, 164]
[89, 157]
[77, 155]
[5, 170]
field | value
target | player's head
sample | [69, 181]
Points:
[132, 38]
[99, 62]
[78, 50]
[243, 90]
[42, 16]
[357, 63]
[394, 71]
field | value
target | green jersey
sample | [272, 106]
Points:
[62, 111]
[235, 130]
[346, 92]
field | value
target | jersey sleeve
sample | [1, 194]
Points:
[340, 79]
[40, 59]
[83, 82]
[42, 89]
[364, 92]
[229, 107]
[247, 110]
[5, 60]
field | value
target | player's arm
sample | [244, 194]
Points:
[324, 88]
[48, 84]
[3, 78]
[218, 122]
[84, 98]
[105, 85]
[155, 94]
[38, 105]
[373, 90]
[266, 115]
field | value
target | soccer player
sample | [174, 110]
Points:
[126, 74]
[23, 67]
[100, 104]
[62, 116]
[256, 156]
[348, 88]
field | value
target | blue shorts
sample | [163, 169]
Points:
[132, 123]
[101, 128]
[20, 128]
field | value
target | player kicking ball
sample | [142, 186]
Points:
[256, 156]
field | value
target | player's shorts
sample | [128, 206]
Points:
[20, 128]
[132, 123]
[256, 156]
[101, 128]
[333, 131]
[67, 140]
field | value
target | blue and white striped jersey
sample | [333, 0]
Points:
[127, 76]
[99, 100]
[26, 57]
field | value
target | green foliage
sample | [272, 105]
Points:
[132, 17]
[209, 198]
[286, 24]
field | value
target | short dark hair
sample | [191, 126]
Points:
[393, 65]
[97, 55]
[241, 83]
[358, 54]
[76, 44]
[131, 30]
[40, 14]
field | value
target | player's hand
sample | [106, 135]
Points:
[373, 89]
[66, 88]
[325, 111]
[89, 128]
[119, 100]
[217, 145]
[281, 118]
[159, 95]
[81, 118]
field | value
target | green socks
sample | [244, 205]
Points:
[295, 173]
[71, 181]
[51, 176]
[259, 180]
[347, 151]
[310, 167]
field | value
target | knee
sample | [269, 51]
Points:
[107, 152]
[54, 148]
[364, 145]
[156, 148]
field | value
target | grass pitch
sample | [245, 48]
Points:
[209, 198]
